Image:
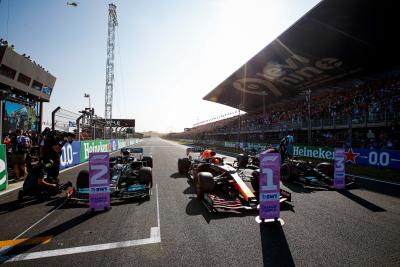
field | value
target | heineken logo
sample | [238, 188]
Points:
[313, 152]
[90, 147]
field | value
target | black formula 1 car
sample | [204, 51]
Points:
[308, 174]
[130, 177]
[220, 186]
[296, 170]
[247, 161]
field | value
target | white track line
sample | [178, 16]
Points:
[76, 250]
[5, 249]
[158, 208]
[155, 237]
[36, 223]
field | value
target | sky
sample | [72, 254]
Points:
[168, 54]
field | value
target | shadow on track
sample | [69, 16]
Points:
[16, 205]
[365, 203]
[59, 229]
[196, 207]
[178, 175]
[82, 205]
[274, 245]
[191, 190]
[297, 188]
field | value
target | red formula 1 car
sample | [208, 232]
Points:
[220, 186]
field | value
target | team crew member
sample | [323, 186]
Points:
[35, 184]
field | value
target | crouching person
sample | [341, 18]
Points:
[37, 185]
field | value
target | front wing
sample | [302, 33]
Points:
[215, 203]
[82, 194]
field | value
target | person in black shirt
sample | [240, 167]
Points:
[36, 183]
[52, 148]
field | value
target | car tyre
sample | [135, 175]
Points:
[326, 168]
[287, 172]
[183, 165]
[204, 184]
[148, 160]
[146, 176]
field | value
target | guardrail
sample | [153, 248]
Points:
[78, 151]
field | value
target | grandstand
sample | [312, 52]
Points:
[351, 70]
[365, 115]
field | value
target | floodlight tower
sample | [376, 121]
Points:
[112, 23]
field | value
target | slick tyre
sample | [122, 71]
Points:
[146, 176]
[326, 168]
[204, 184]
[148, 160]
[242, 160]
[82, 181]
[183, 165]
[180, 166]
[287, 174]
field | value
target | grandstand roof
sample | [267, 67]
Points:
[337, 39]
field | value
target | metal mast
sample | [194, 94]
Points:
[112, 23]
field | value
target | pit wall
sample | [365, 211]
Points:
[78, 151]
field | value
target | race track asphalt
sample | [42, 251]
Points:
[323, 228]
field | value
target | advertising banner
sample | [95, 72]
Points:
[269, 185]
[253, 146]
[315, 152]
[121, 143]
[93, 146]
[114, 145]
[374, 157]
[366, 157]
[99, 185]
[3, 168]
[339, 173]
[70, 155]
[230, 144]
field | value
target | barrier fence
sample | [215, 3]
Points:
[78, 151]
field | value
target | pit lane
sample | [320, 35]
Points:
[72, 228]
[357, 227]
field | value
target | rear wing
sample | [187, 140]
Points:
[194, 149]
[137, 150]
[132, 150]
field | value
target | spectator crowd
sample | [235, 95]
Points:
[374, 107]
[5, 43]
